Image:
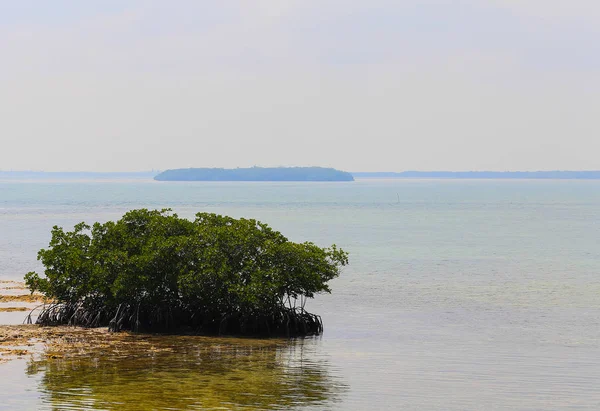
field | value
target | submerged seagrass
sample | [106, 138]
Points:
[153, 271]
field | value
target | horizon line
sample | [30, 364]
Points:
[352, 172]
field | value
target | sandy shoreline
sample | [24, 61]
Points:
[24, 298]
[55, 342]
[17, 341]
[16, 301]
[15, 297]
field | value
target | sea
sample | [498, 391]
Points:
[459, 295]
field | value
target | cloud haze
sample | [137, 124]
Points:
[361, 86]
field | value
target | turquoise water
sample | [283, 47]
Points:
[459, 295]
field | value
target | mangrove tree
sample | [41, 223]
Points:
[153, 271]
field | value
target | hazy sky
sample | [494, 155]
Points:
[372, 85]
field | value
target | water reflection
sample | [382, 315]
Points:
[182, 373]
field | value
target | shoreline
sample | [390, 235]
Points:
[19, 340]
[17, 301]
[63, 341]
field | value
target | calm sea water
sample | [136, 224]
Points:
[460, 295]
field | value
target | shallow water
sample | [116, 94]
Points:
[181, 373]
[460, 295]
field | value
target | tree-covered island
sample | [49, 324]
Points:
[255, 174]
[153, 271]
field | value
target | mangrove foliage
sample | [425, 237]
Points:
[153, 271]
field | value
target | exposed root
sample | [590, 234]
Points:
[290, 322]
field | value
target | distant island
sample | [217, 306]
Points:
[255, 174]
[540, 175]
[289, 174]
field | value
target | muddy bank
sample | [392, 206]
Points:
[16, 301]
[24, 298]
[16, 341]
[13, 309]
[57, 342]
[11, 291]
[54, 342]
[65, 341]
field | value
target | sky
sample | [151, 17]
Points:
[377, 85]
